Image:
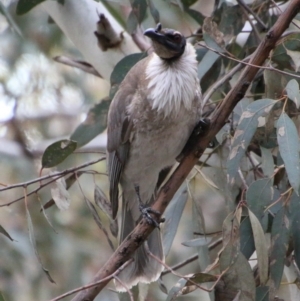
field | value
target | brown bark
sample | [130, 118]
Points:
[218, 119]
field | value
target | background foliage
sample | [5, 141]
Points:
[243, 194]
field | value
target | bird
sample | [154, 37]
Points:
[150, 119]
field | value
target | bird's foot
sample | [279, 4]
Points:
[146, 213]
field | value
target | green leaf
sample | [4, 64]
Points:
[5, 233]
[206, 63]
[102, 202]
[245, 130]
[58, 152]
[258, 196]
[33, 243]
[94, 124]
[196, 15]
[24, 6]
[69, 182]
[98, 221]
[288, 141]
[185, 286]
[172, 215]
[153, 11]
[295, 226]
[246, 238]
[121, 69]
[239, 276]
[292, 89]
[137, 14]
[262, 293]
[1, 297]
[261, 248]
[267, 162]
[197, 242]
[60, 194]
[279, 242]
[210, 42]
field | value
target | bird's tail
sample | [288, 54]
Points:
[143, 268]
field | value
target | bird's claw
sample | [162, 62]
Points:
[146, 213]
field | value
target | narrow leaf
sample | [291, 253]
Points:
[121, 69]
[197, 242]
[261, 248]
[185, 286]
[172, 217]
[239, 276]
[262, 293]
[24, 6]
[94, 124]
[267, 162]
[1, 297]
[102, 202]
[5, 233]
[206, 63]
[295, 226]
[246, 238]
[288, 141]
[69, 182]
[258, 196]
[245, 130]
[153, 11]
[292, 90]
[58, 152]
[60, 194]
[33, 243]
[279, 244]
[98, 221]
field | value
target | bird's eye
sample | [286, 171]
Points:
[176, 37]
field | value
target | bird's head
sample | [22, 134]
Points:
[167, 43]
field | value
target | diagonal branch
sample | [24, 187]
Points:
[218, 119]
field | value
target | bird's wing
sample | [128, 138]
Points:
[118, 132]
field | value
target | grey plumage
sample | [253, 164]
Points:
[149, 122]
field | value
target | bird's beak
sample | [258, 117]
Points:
[154, 35]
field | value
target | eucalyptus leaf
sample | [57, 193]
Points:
[121, 69]
[5, 233]
[98, 221]
[267, 162]
[244, 132]
[57, 152]
[261, 248]
[288, 141]
[258, 196]
[279, 242]
[239, 276]
[24, 6]
[292, 89]
[206, 63]
[172, 217]
[295, 226]
[33, 243]
[94, 124]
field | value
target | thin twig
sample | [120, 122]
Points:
[59, 173]
[76, 290]
[250, 11]
[221, 81]
[254, 28]
[192, 258]
[249, 64]
[125, 286]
